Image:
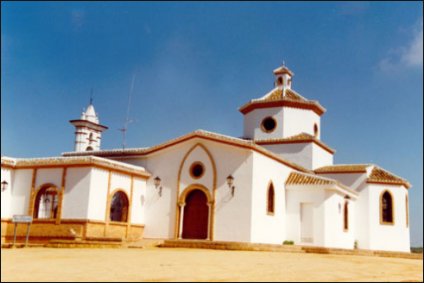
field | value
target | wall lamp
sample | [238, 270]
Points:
[230, 181]
[4, 185]
[158, 187]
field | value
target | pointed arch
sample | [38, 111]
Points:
[211, 198]
[387, 208]
[270, 207]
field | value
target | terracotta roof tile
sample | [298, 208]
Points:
[296, 178]
[300, 138]
[343, 168]
[200, 134]
[378, 175]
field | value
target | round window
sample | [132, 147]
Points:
[268, 124]
[197, 170]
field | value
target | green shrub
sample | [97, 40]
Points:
[288, 243]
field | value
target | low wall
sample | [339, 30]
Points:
[42, 231]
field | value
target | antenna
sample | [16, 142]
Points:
[127, 118]
[91, 96]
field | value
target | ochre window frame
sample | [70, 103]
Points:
[382, 221]
[128, 206]
[270, 203]
[37, 199]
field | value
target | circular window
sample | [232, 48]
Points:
[268, 124]
[197, 170]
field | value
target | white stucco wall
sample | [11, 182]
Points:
[334, 234]
[21, 191]
[353, 181]
[296, 121]
[294, 198]
[268, 228]
[290, 122]
[299, 153]
[320, 157]
[232, 214]
[388, 237]
[6, 195]
[49, 176]
[97, 187]
[76, 198]
[139, 193]
[253, 120]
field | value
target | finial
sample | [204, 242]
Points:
[284, 63]
[91, 96]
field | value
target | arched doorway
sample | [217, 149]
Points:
[196, 215]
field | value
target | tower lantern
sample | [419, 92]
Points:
[283, 77]
[88, 131]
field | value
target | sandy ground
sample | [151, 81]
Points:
[154, 264]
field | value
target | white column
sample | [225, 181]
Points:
[180, 233]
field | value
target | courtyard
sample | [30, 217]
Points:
[166, 264]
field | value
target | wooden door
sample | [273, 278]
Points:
[196, 216]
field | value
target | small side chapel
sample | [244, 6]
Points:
[278, 183]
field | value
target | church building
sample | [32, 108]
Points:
[277, 183]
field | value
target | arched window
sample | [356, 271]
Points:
[315, 130]
[89, 148]
[386, 208]
[46, 203]
[119, 207]
[407, 210]
[271, 199]
[280, 81]
[346, 216]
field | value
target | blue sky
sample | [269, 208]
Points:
[191, 65]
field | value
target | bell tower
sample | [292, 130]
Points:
[283, 77]
[88, 131]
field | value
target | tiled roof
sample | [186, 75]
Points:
[304, 179]
[378, 175]
[277, 94]
[298, 178]
[282, 97]
[300, 138]
[343, 168]
[79, 160]
[283, 70]
[199, 134]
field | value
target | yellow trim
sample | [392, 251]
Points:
[263, 128]
[108, 200]
[382, 222]
[129, 204]
[210, 202]
[191, 188]
[34, 198]
[177, 206]
[61, 195]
